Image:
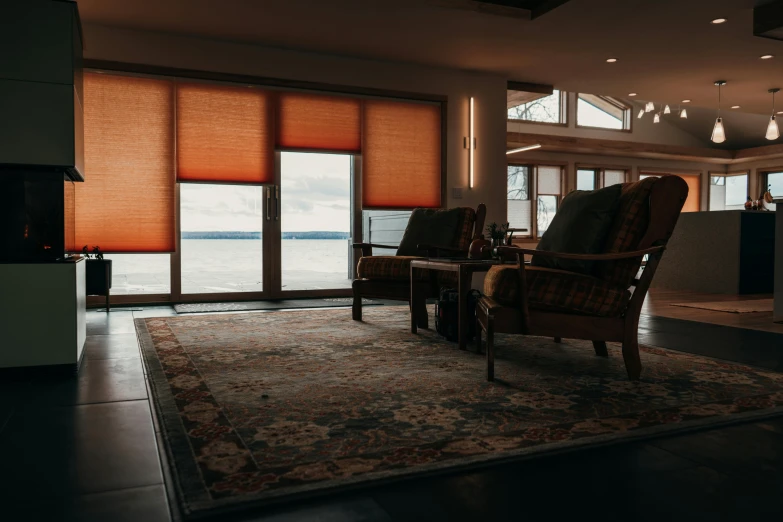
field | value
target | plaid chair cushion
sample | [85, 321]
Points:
[465, 229]
[629, 227]
[395, 268]
[557, 290]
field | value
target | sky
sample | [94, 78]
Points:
[314, 191]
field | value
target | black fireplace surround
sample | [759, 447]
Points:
[34, 221]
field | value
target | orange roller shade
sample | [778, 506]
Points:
[693, 202]
[126, 203]
[224, 134]
[318, 122]
[401, 155]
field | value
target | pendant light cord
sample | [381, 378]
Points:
[773, 103]
[719, 101]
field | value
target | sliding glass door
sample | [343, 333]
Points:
[291, 238]
[221, 245]
[315, 201]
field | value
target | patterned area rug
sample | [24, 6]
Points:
[270, 406]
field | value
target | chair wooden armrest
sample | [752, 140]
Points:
[433, 250]
[582, 257]
[367, 247]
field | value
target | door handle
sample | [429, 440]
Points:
[277, 202]
[268, 203]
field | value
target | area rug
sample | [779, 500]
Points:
[242, 306]
[734, 307]
[256, 408]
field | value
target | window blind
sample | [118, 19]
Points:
[401, 155]
[224, 134]
[126, 203]
[693, 201]
[549, 179]
[613, 177]
[318, 122]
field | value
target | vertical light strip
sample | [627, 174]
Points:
[471, 145]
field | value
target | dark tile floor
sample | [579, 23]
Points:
[85, 448]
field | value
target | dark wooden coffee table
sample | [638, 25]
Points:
[465, 269]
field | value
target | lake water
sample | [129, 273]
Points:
[231, 265]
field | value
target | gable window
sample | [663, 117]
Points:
[603, 112]
[534, 193]
[536, 107]
[728, 191]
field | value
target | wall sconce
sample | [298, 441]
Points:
[470, 143]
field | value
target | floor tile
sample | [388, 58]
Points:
[361, 509]
[99, 380]
[116, 346]
[147, 504]
[79, 450]
[743, 450]
[102, 323]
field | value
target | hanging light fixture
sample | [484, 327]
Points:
[657, 117]
[718, 134]
[641, 113]
[667, 110]
[773, 132]
[649, 107]
[683, 113]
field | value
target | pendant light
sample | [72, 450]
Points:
[657, 117]
[718, 134]
[683, 113]
[667, 110]
[641, 113]
[649, 107]
[772, 129]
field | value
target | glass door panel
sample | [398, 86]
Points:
[315, 221]
[221, 238]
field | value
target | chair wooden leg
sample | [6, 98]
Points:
[558, 339]
[490, 347]
[478, 335]
[633, 363]
[600, 348]
[357, 302]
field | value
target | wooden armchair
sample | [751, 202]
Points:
[388, 277]
[532, 300]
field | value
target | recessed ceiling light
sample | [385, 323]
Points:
[718, 21]
[780, 112]
[767, 56]
[611, 60]
[631, 94]
[735, 106]
[686, 101]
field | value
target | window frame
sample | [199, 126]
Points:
[600, 172]
[627, 119]
[712, 174]
[563, 110]
[533, 193]
[763, 181]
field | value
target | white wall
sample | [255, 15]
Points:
[489, 92]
